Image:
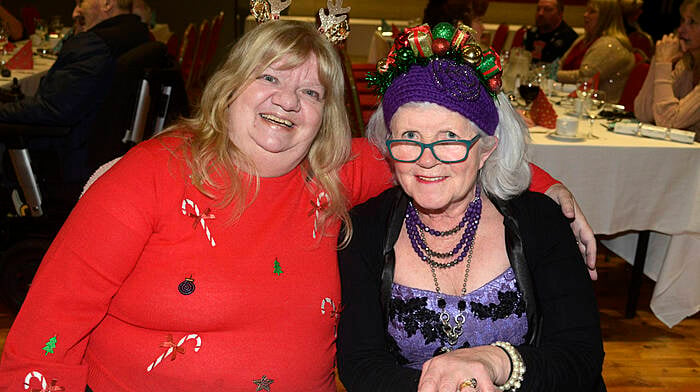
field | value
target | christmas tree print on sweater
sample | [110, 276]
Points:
[50, 345]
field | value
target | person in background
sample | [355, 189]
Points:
[144, 11]
[631, 11]
[468, 12]
[74, 87]
[603, 51]
[670, 96]
[551, 36]
[12, 24]
[459, 279]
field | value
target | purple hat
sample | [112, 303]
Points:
[448, 84]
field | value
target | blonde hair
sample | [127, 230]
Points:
[210, 153]
[609, 22]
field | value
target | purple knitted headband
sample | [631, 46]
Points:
[448, 84]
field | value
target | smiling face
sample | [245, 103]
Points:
[437, 187]
[689, 30]
[276, 118]
[590, 19]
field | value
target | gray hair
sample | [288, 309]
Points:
[505, 173]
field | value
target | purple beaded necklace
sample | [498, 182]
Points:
[415, 229]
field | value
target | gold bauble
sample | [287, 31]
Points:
[472, 54]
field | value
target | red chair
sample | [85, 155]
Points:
[213, 40]
[643, 42]
[633, 85]
[187, 51]
[173, 46]
[499, 37]
[518, 38]
[29, 15]
[200, 53]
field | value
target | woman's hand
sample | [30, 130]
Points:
[582, 230]
[668, 49]
[488, 365]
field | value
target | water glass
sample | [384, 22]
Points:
[595, 101]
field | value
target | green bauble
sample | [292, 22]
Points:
[404, 55]
[443, 30]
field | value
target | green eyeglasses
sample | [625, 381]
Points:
[445, 151]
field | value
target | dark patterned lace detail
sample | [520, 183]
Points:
[414, 315]
[510, 302]
[496, 311]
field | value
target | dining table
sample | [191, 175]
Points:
[643, 195]
[28, 78]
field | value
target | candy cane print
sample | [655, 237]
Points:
[334, 314]
[321, 197]
[199, 217]
[198, 345]
[35, 374]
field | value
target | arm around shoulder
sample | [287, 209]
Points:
[569, 352]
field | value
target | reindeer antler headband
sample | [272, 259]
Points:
[334, 20]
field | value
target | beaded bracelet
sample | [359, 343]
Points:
[517, 367]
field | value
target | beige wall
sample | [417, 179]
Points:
[498, 12]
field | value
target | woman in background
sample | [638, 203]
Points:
[670, 96]
[603, 50]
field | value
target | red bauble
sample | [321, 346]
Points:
[440, 46]
[495, 84]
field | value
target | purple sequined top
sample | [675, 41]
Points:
[495, 311]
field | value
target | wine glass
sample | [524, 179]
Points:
[529, 88]
[595, 101]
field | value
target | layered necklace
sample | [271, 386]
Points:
[464, 248]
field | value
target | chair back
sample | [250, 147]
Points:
[29, 15]
[187, 50]
[104, 141]
[633, 85]
[499, 37]
[643, 42]
[200, 52]
[173, 45]
[518, 38]
[213, 41]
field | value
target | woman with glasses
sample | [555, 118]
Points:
[459, 278]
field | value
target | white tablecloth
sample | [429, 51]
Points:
[630, 183]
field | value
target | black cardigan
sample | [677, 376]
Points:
[564, 349]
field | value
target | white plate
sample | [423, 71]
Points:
[563, 138]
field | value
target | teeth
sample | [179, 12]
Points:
[277, 120]
[430, 179]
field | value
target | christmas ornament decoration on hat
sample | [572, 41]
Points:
[421, 45]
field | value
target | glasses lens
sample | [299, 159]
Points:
[405, 150]
[450, 151]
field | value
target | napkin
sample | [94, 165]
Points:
[22, 59]
[542, 113]
[592, 83]
[9, 47]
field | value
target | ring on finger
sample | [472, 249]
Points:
[470, 383]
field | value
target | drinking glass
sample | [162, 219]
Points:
[529, 88]
[595, 101]
[4, 37]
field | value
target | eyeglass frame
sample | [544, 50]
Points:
[430, 146]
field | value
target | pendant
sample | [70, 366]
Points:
[452, 332]
[186, 287]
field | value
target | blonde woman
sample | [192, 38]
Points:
[670, 96]
[604, 50]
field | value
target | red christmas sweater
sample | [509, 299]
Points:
[149, 286]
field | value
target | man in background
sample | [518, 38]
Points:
[551, 36]
[76, 85]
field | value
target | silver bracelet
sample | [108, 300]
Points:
[517, 367]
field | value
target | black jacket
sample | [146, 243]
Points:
[564, 349]
[75, 86]
[556, 42]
